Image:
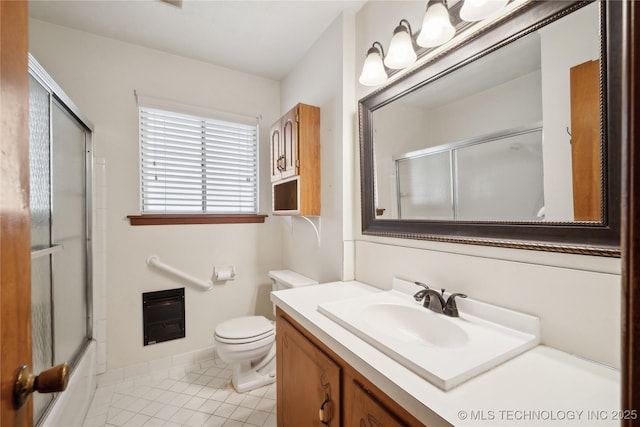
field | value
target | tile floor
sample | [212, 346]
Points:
[200, 395]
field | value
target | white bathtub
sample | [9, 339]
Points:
[70, 407]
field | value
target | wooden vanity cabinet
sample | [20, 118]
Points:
[364, 409]
[308, 381]
[309, 375]
[295, 162]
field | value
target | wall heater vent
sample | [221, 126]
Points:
[163, 315]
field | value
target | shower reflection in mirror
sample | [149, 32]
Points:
[494, 177]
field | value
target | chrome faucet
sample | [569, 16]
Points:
[434, 301]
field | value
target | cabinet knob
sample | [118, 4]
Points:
[326, 410]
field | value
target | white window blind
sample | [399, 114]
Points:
[193, 164]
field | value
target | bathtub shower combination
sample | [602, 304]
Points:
[60, 154]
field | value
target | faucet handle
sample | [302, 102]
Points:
[452, 297]
[451, 309]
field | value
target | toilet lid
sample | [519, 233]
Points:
[242, 328]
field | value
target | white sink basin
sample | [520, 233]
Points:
[446, 351]
[405, 323]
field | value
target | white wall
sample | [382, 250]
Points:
[568, 292]
[100, 75]
[318, 80]
[511, 104]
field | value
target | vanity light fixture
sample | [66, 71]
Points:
[477, 10]
[437, 29]
[401, 53]
[373, 72]
[436, 25]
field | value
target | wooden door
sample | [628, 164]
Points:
[290, 143]
[275, 137]
[585, 141]
[15, 244]
[308, 381]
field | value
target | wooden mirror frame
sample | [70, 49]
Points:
[588, 238]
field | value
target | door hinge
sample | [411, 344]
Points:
[297, 163]
[297, 118]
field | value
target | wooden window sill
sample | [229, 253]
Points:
[173, 219]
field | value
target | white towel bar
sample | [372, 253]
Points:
[154, 261]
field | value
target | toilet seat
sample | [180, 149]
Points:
[243, 330]
[237, 341]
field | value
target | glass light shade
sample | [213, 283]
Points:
[373, 72]
[401, 53]
[436, 26]
[477, 10]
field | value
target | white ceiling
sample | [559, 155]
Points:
[265, 38]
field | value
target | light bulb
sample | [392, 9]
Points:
[477, 10]
[373, 72]
[401, 53]
[436, 26]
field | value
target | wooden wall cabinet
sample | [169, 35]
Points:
[317, 388]
[284, 146]
[295, 162]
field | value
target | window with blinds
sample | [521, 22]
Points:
[192, 164]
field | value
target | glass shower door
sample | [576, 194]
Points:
[40, 195]
[60, 284]
[68, 230]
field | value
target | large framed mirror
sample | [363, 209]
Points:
[510, 138]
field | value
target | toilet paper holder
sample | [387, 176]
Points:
[224, 273]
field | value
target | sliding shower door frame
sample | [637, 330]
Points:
[58, 97]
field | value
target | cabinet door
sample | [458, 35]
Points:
[276, 142]
[290, 143]
[308, 381]
[363, 410]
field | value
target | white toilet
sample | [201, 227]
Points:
[249, 343]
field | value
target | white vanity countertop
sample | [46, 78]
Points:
[542, 387]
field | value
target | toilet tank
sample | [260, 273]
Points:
[286, 279]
